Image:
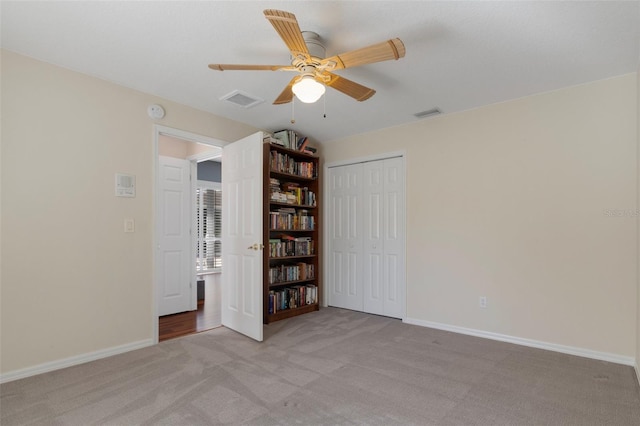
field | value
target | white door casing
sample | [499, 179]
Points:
[345, 255]
[174, 266]
[242, 177]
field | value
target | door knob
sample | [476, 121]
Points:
[256, 247]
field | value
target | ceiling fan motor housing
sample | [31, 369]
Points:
[314, 45]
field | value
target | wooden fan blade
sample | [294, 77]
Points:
[287, 94]
[286, 25]
[234, 67]
[387, 50]
[350, 88]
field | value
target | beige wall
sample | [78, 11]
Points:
[513, 201]
[72, 281]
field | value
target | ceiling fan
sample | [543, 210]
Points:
[314, 72]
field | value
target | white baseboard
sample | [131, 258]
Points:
[74, 360]
[587, 353]
[637, 373]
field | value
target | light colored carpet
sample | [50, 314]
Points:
[330, 367]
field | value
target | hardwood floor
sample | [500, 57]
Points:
[206, 317]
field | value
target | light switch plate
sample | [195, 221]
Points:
[129, 225]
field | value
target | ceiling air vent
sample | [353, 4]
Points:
[428, 113]
[241, 99]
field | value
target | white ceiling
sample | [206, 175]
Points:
[460, 55]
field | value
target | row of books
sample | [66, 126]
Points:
[291, 140]
[291, 193]
[285, 273]
[292, 297]
[282, 163]
[290, 219]
[284, 246]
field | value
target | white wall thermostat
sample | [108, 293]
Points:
[125, 185]
[155, 111]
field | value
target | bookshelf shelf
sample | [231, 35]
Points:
[285, 283]
[288, 313]
[292, 176]
[290, 230]
[309, 256]
[291, 282]
[298, 206]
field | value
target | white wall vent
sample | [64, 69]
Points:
[241, 99]
[428, 113]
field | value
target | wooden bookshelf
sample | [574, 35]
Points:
[291, 238]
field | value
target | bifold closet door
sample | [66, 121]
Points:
[383, 248]
[345, 237]
[366, 261]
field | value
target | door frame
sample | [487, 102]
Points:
[326, 212]
[189, 137]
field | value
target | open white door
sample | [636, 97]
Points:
[242, 243]
[175, 264]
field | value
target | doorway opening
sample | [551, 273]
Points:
[188, 262]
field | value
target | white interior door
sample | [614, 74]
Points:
[242, 177]
[345, 256]
[175, 266]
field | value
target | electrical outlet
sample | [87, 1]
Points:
[483, 301]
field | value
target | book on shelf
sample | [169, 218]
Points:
[288, 219]
[283, 163]
[286, 246]
[283, 137]
[292, 297]
[302, 143]
[291, 193]
[271, 140]
[283, 274]
[288, 138]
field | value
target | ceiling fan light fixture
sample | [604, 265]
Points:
[308, 90]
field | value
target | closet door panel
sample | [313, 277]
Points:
[373, 244]
[346, 237]
[394, 238]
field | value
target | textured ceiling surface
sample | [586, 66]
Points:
[460, 55]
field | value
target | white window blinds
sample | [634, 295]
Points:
[209, 221]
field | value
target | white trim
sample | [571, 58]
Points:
[206, 156]
[211, 272]
[374, 157]
[587, 353]
[209, 185]
[193, 176]
[74, 360]
[188, 136]
[637, 369]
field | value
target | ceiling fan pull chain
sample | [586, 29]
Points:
[324, 106]
[293, 102]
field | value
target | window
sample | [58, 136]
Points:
[209, 222]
